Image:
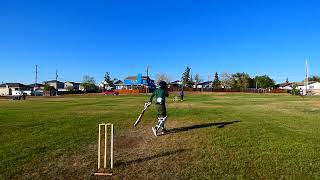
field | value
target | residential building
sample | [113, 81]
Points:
[133, 82]
[206, 84]
[56, 84]
[37, 86]
[10, 88]
[312, 86]
[72, 86]
[117, 82]
[176, 83]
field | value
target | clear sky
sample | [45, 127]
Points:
[78, 38]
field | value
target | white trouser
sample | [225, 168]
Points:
[161, 122]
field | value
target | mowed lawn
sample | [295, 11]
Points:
[211, 136]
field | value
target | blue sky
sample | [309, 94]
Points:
[80, 38]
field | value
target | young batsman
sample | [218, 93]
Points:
[160, 94]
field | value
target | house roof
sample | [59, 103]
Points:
[53, 81]
[176, 82]
[284, 84]
[13, 85]
[117, 82]
[296, 83]
[135, 77]
[206, 82]
[72, 82]
[36, 85]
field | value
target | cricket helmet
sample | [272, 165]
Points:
[163, 85]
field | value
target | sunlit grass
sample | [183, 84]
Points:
[277, 136]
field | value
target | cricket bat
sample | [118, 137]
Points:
[140, 116]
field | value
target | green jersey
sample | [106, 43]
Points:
[160, 95]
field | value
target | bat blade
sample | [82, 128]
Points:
[139, 118]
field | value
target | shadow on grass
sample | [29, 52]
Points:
[140, 160]
[199, 126]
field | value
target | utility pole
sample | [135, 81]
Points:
[147, 71]
[36, 80]
[57, 83]
[307, 77]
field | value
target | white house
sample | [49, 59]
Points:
[13, 88]
[312, 86]
[71, 86]
[206, 84]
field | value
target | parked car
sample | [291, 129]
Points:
[111, 92]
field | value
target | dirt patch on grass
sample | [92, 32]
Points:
[137, 155]
[80, 163]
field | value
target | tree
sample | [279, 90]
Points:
[186, 77]
[89, 84]
[107, 81]
[314, 78]
[216, 82]
[226, 80]
[69, 88]
[264, 81]
[88, 79]
[295, 90]
[162, 77]
[287, 81]
[197, 79]
[241, 81]
[50, 89]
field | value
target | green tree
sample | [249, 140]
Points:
[89, 84]
[295, 90]
[241, 81]
[107, 81]
[314, 78]
[216, 82]
[186, 77]
[48, 88]
[69, 88]
[287, 80]
[264, 81]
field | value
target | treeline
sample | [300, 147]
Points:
[240, 80]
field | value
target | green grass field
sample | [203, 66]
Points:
[220, 136]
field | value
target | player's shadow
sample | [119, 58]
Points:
[143, 159]
[198, 126]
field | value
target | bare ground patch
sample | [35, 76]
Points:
[137, 153]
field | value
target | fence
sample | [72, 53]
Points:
[172, 89]
[130, 91]
[229, 90]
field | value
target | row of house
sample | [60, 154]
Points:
[130, 82]
[312, 86]
[37, 89]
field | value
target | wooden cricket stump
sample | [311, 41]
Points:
[103, 146]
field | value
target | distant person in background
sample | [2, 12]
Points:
[301, 92]
[181, 94]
